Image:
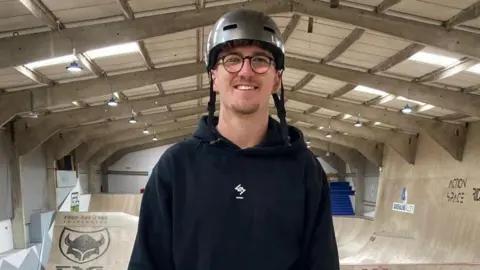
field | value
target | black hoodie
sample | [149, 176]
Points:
[210, 205]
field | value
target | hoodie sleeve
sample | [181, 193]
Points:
[153, 244]
[322, 252]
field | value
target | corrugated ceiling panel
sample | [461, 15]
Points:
[425, 9]
[73, 11]
[462, 79]
[14, 16]
[412, 69]
[297, 106]
[180, 84]
[10, 77]
[323, 85]
[148, 5]
[148, 89]
[121, 62]
[184, 105]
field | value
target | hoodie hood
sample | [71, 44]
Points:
[272, 144]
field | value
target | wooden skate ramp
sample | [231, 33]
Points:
[352, 233]
[438, 219]
[92, 240]
[125, 203]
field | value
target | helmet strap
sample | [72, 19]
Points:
[282, 114]
[211, 106]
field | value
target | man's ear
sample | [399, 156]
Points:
[277, 80]
[214, 79]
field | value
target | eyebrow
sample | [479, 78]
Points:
[241, 54]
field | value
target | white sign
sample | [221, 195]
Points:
[403, 206]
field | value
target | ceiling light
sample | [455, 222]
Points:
[358, 123]
[433, 59]
[328, 135]
[155, 138]
[346, 116]
[74, 67]
[112, 102]
[145, 131]
[328, 154]
[377, 123]
[407, 109]
[132, 120]
[320, 127]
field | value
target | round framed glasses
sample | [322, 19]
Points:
[234, 63]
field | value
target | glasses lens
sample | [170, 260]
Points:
[232, 63]
[260, 64]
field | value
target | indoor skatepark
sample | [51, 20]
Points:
[386, 93]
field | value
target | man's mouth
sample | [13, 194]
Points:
[244, 87]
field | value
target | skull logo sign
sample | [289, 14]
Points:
[84, 246]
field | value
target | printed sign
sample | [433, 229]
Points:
[403, 206]
[75, 204]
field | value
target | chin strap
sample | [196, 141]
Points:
[282, 114]
[211, 109]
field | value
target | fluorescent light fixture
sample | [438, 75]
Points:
[474, 69]
[132, 120]
[145, 131]
[328, 135]
[155, 138]
[410, 100]
[320, 127]
[364, 89]
[113, 50]
[358, 123]
[53, 61]
[433, 59]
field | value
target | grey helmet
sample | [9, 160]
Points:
[245, 24]
[248, 25]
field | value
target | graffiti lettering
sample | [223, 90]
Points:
[79, 268]
[458, 183]
[476, 194]
[455, 197]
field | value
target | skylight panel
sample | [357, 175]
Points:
[113, 50]
[433, 59]
[474, 69]
[410, 100]
[364, 89]
[52, 61]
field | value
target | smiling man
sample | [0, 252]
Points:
[244, 192]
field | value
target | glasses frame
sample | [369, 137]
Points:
[221, 60]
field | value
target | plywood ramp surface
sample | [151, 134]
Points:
[125, 203]
[443, 194]
[352, 233]
[92, 240]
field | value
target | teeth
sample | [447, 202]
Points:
[244, 87]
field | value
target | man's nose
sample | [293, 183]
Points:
[246, 69]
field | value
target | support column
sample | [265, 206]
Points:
[359, 182]
[51, 179]
[18, 221]
[104, 177]
[92, 189]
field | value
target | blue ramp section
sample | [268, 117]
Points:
[341, 204]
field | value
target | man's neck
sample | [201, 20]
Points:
[244, 131]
